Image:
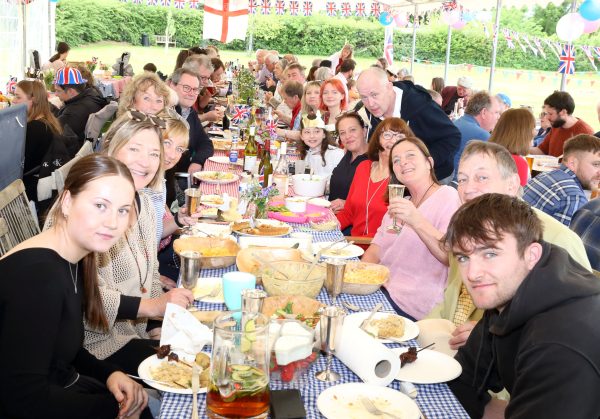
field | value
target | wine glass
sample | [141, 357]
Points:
[396, 191]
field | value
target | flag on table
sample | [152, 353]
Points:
[388, 45]
[360, 9]
[266, 7]
[225, 20]
[307, 7]
[331, 8]
[11, 86]
[240, 113]
[294, 7]
[193, 4]
[271, 126]
[375, 9]
[279, 7]
[346, 9]
[567, 60]
[179, 4]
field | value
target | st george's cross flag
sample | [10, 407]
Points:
[388, 44]
[567, 60]
[225, 20]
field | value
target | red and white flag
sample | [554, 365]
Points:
[388, 45]
[225, 20]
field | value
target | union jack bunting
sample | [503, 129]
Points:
[252, 6]
[279, 7]
[375, 9]
[551, 46]
[331, 8]
[567, 60]
[294, 7]
[266, 7]
[360, 10]
[11, 86]
[241, 113]
[346, 9]
[151, 2]
[179, 4]
[193, 4]
[587, 50]
[307, 8]
[538, 45]
[388, 45]
[509, 41]
[165, 3]
[597, 51]
[137, 1]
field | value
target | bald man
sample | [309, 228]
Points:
[382, 99]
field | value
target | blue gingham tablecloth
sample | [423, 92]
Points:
[435, 400]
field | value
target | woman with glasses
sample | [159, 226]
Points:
[365, 205]
[316, 150]
[407, 242]
[353, 136]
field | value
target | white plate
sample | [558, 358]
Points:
[343, 402]
[270, 241]
[216, 132]
[411, 329]
[144, 372]
[224, 160]
[320, 202]
[206, 285]
[204, 177]
[271, 222]
[221, 230]
[348, 252]
[431, 367]
[209, 200]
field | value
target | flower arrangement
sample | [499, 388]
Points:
[91, 65]
[48, 79]
[259, 196]
[246, 86]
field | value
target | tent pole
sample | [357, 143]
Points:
[251, 37]
[563, 79]
[24, 51]
[448, 45]
[414, 40]
[495, 44]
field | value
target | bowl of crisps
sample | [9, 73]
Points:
[362, 278]
[216, 252]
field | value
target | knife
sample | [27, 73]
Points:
[195, 388]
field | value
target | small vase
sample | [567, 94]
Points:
[261, 210]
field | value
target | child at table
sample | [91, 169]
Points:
[319, 154]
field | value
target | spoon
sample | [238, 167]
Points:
[338, 251]
[270, 265]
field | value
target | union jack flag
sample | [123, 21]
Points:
[271, 126]
[11, 86]
[279, 7]
[241, 113]
[331, 8]
[388, 45]
[346, 9]
[307, 8]
[137, 1]
[375, 9]
[567, 60]
[193, 4]
[179, 4]
[266, 7]
[165, 3]
[151, 2]
[597, 51]
[294, 7]
[252, 6]
[360, 9]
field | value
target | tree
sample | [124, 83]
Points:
[547, 17]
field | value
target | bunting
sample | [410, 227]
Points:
[551, 46]
[526, 39]
[509, 41]
[193, 4]
[538, 44]
[346, 9]
[587, 50]
[179, 4]
[266, 7]
[360, 10]
[331, 8]
[375, 9]
[388, 45]
[151, 2]
[567, 60]
[294, 7]
[597, 51]
[307, 8]
[252, 6]
[279, 7]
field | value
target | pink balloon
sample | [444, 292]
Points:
[459, 25]
[401, 20]
[590, 26]
[450, 18]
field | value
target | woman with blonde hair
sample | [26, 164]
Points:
[145, 93]
[515, 130]
[339, 57]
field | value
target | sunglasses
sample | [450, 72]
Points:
[139, 116]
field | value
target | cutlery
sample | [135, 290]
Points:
[351, 306]
[205, 233]
[211, 294]
[338, 251]
[164, 383]
[330, 245]
[270, 265]
[366, 321]
[195, 387]
[374, 410]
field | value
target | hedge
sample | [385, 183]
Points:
[87, 21]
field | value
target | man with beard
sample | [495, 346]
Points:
[559, 193]
[558, 108]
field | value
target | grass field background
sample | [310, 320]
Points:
[524, 87]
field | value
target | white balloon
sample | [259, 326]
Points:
[570, 27]
[451, 17]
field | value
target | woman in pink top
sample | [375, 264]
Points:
[418, 265]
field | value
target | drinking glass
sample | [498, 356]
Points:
[239, 370]
[335, 277]
[189, 271]
[330, 328]
[192, 200]
[395, 191]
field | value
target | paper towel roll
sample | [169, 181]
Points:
[372, 361]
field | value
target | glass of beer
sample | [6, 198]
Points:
[529, 162]
[239, 375]
[594, 186]
[192, 200]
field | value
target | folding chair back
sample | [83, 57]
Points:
[16, 212]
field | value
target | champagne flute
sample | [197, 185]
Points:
[396, 191]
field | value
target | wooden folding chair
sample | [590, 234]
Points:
[5, 242]
[15, 210]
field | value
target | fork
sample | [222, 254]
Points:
[374, 410]
[213, 293]
[338, 250]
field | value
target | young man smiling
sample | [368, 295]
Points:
[539, 329]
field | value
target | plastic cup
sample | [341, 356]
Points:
[233, 285]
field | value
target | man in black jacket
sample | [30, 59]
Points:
[79, 102]
[382, 99]
[539, 335]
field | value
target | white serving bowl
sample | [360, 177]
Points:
[304, 186]
[296, 204]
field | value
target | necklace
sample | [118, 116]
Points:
[368, 201]
[424, 195]
[74, 279]
[146, 255]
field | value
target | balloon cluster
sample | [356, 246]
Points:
[458, 18]
[572, 25]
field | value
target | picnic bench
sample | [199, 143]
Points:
[164, 40]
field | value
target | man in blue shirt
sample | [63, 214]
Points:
[586, 223]
[559, 193]
[481, 114]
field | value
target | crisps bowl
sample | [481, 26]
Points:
[362, 278]
[217, 252]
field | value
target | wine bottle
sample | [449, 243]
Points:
[281, 173]
[267, 166]
[250, 151]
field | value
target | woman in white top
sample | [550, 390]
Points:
[315, 149]
[58, 60]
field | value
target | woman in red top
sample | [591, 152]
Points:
[365, 205]
[515, 131]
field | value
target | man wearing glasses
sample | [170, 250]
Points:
[559, 108]
[382, 99]
[186, 84]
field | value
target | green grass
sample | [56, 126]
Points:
[528, 89]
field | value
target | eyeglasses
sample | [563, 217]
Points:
[190, 89]
[169, 145]
[391, 135]
[139, 116]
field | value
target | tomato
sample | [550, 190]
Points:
[287, 372]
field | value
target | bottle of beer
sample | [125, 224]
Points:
[251, 150]
[267, 166]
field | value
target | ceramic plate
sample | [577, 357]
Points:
[225, 160]
[320, 202]
[213, 201]
[348, 252]
[153, 362]
[411, 330]
[216, 177]
[343, 402]
[205, 286]
[430, 367]
[270, 222]
[216, 133]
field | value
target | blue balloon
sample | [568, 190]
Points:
[590, 9]
[386, 19]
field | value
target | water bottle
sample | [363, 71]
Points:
[233, 151]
